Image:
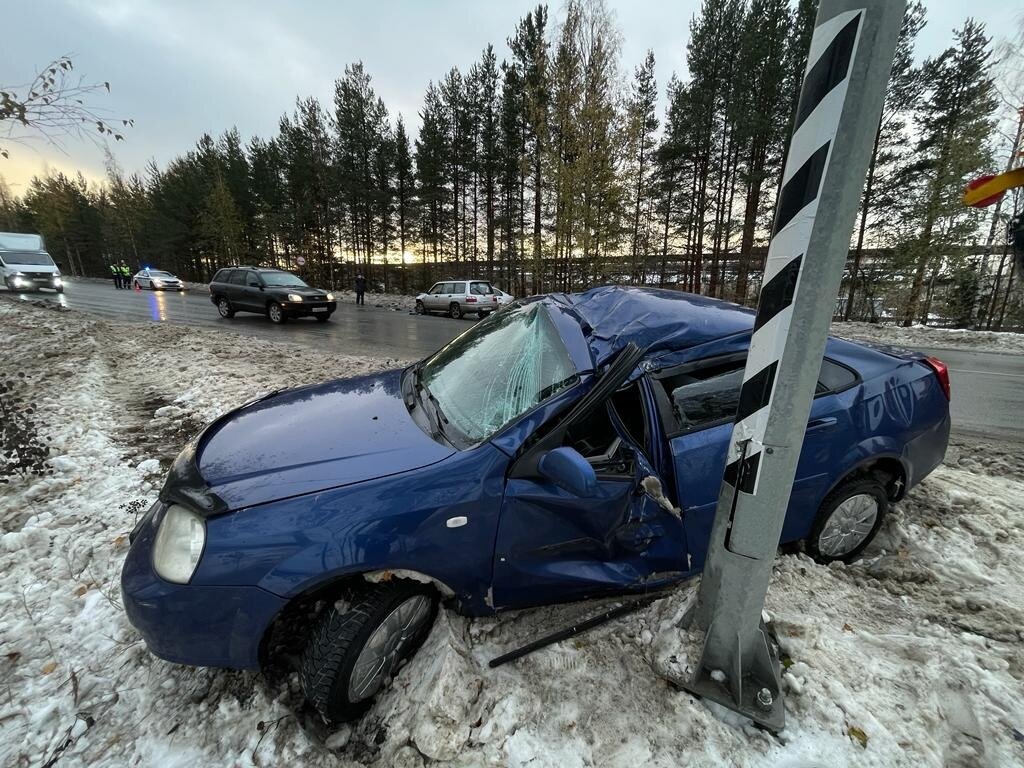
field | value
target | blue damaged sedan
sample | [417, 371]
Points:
[569, 447]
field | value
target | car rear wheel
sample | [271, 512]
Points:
[275, 313]
[354, 652]
[848, 520]
[224, 307]
[420, 309]
[454, 311]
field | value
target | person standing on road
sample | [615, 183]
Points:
[115, 273]
[360, 289]
[126, 274]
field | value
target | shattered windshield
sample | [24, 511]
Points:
[498, 370]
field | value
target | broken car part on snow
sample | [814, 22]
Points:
[848, 65]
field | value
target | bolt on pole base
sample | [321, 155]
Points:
[758, 687]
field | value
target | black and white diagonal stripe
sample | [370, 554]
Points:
[817, 120]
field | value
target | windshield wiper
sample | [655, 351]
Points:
[435, 416]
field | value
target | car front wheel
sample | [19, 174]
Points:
[275, 313]
[848, 520]
[354, 650]
[224, 307]
[420, 309]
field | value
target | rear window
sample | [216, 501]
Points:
[480, 289]
[458, 288]
[237, 277]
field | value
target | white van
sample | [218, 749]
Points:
[25, 265]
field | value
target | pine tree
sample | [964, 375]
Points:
[955, 124]
[530, 53]
[882, 190]
[641, 123]
[489, 148]
[404, 193]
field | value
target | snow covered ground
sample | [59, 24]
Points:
[912, 656]
[924, 336]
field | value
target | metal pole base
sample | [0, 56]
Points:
[759, 687]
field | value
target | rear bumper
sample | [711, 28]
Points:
[193, 624]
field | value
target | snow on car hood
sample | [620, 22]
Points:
[313, 438]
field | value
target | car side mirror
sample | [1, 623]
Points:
[566, 468]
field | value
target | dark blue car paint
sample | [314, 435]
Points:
[336, 480]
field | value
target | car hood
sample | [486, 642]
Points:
[304, 292]
[314, 438]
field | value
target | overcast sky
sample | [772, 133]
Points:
[184, 68]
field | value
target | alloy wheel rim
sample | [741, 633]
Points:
[848, 526]
[223, 307]
[275, 313]
[386, 647]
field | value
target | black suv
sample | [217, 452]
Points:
[272, 292]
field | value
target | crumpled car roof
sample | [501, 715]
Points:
[657, 319]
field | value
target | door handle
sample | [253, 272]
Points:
[819, 425]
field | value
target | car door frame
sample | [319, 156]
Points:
[524, 466]
[807, 489]
[254, 294]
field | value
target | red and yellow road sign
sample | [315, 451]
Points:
[987, 190]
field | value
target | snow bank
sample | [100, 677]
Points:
[912, 656]
[924, 336]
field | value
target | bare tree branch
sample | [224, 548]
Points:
[55, 106]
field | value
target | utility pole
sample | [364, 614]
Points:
[848, 68]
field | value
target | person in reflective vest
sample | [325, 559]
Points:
[126, 274]
[115, 273]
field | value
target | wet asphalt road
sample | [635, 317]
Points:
[988, 387]
[354, 330]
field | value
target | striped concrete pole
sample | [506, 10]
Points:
[841, 99]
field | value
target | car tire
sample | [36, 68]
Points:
[339, 649]
[224, 307]
[420, 309]
[323, 318]
[276, 313]
[848, 519]
[455, 311]
[59, 290]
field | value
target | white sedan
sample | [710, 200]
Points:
[503, 298]
[157, 280]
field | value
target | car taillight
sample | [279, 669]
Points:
[942, 371]
[471, 299]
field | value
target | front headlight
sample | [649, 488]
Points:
[330, 297]
[57, 280]
[157, 282]
[294, 297]
[179, 544]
